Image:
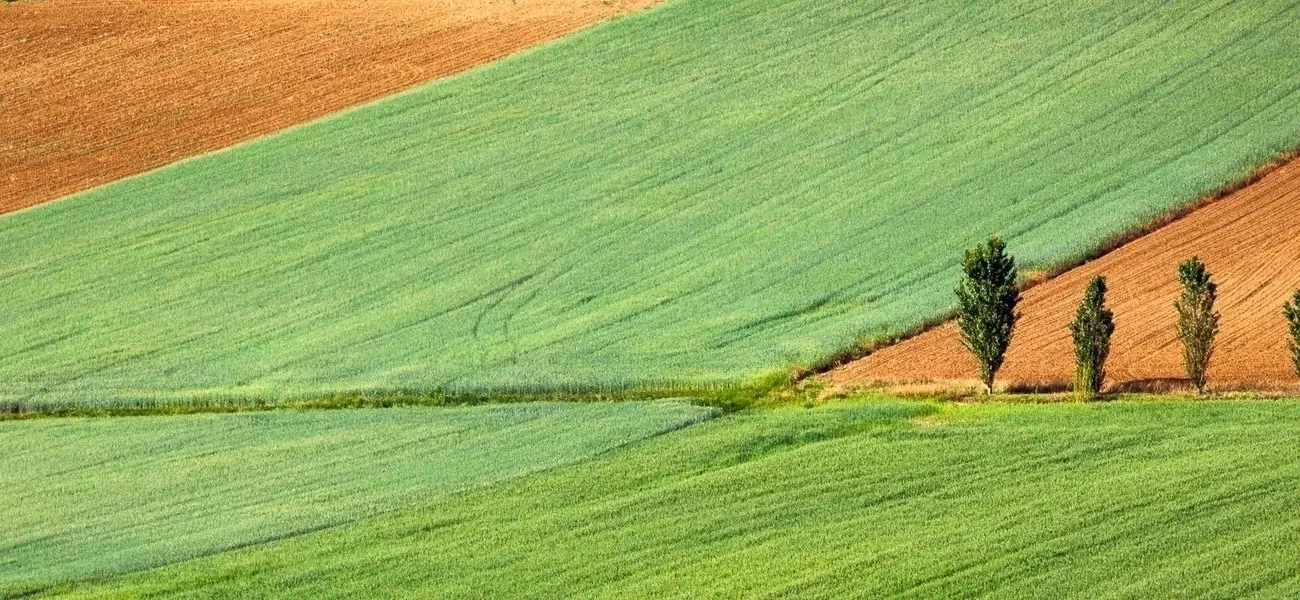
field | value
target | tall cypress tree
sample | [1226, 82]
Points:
[1291, 310]
[1091, 329]
[1197, 321]
[986, 306]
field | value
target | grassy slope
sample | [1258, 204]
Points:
[704, 192]
[95, 497]
[1117, 500]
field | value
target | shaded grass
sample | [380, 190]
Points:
[886, 498]
[689, 197]
[92, 498]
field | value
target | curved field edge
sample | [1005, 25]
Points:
[1247, 237]
[90, 498]
[678, 198]
[884, 498]
[100, 90]
[837, 365]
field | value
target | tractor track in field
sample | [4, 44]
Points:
[1250, 240]
[97, 90]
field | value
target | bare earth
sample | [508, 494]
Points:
[96, 90]
[1251, 242]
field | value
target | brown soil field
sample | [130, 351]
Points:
[96, 90]
[1250, 240]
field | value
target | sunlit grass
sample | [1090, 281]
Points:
[93, 497]
[704, 193]
[879, 499]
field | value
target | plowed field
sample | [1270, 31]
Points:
[97, 90]
[1251, 242]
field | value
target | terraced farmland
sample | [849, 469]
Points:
[702, 193]
[97, 90]
[95, 497]
[1125, 499]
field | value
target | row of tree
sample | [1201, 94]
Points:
[987, 295]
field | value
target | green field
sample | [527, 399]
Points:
[704, 193]
[87, 498]
[1133, 499]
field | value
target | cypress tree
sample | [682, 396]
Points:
[1197, 321]
[986, 306]
[1091, 329]
[1292, 312]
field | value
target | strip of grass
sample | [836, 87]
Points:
[778, 388]
[700, 194]
[879, 499]
[91, 498]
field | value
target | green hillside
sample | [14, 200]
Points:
[703, 193]
[1116, 500]
[95, 497]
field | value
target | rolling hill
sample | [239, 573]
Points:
[700, 194]
[1251, 242]
[878, 499]
[98, 90]
[89, 498]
